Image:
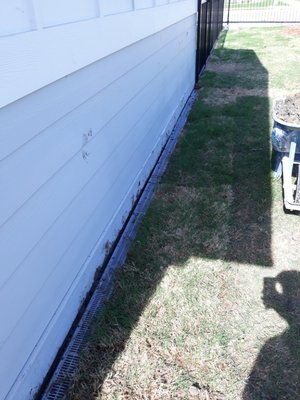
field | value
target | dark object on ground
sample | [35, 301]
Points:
[288, 109]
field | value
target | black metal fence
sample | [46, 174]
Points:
[210, 23]
[265, 11]
[212, 14]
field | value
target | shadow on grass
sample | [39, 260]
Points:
[276, 372]
[219, 176]
[214, 202]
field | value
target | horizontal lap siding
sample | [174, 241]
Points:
[43, 55]
[74, 156]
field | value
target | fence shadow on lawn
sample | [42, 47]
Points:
[214, 202]
[222, 166]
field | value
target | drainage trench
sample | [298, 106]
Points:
[57, 385]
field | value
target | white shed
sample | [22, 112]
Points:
[89, 92]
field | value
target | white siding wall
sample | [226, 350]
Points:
[75, 148]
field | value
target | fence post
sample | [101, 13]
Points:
[208, 28]
[228, 11]
[198, 63]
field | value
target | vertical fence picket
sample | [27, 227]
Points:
[210, 23]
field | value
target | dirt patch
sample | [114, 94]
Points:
[227, 68]
[288, 109]
[219, 97]
[221, 67]
[230, 95]
[292, 31]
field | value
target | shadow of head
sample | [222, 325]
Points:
[275, 374]
[282, 293]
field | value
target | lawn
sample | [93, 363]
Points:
[207, 305]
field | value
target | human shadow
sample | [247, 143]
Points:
[276, 372]
[214, 202]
